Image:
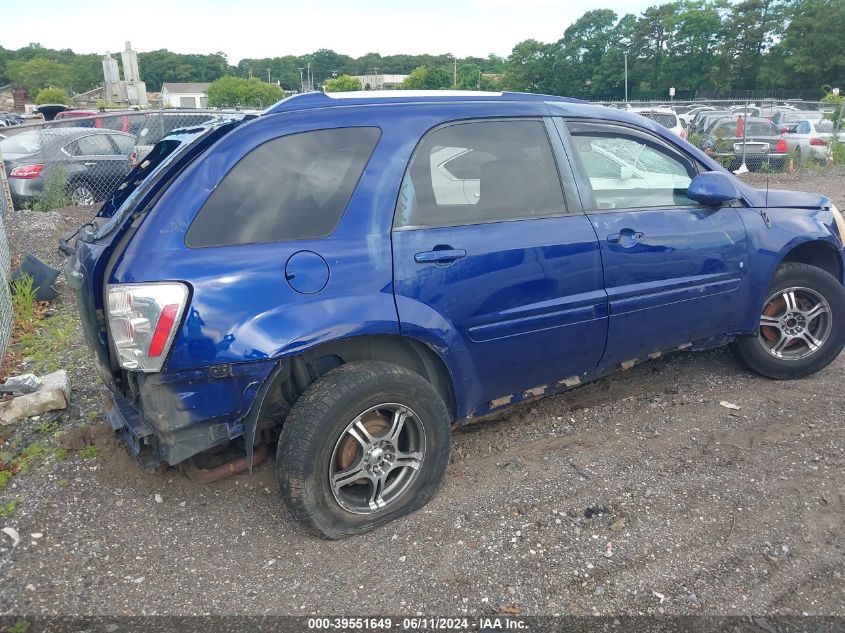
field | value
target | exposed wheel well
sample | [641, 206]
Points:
[819, 254]
[307, 367]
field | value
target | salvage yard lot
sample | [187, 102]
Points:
[637, 494]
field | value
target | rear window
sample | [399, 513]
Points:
[666, 119]
[26, 143]
[760, 128]
[291, 188]
[824, 126]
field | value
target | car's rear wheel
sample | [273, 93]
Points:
[80, 193]
[365, 444]
[802, 324]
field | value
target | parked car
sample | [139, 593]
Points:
[156, 125]
[665, 117]
[701, 120]
[301, 280]
[810, 138]
[687, 117]
[89, 162]
[761, 144]
[784, 120]
[121, 121]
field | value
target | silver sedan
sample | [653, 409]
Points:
[810, 138]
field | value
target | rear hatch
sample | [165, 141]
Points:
[90, 248]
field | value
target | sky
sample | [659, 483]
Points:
[272, 28]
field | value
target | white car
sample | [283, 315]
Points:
[663, 116]
[810, 138]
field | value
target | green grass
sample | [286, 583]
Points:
[48, 428]
[48, 345]
[7, 510]
[5, 478]
[60, 453]
[89, 452]
[29, 456]
[23, 303]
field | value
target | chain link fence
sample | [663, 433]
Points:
[6, 315]
[767, 136]
[79, 160]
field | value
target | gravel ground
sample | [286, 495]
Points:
[638, 494]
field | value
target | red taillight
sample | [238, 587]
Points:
[784, 130]
[26, 172]
[818, 142]
[133, 160]
[683, 134]
[781, 146]
[163, 329]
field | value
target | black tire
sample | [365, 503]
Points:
[752, 350]
[81, 193]
[313, 430]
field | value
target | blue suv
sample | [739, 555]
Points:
[347, 276]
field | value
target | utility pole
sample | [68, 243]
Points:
[455, 74]
[301, 81]
[375, 77]
[268, 75]
[626, 76]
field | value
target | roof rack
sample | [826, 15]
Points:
[309, 100]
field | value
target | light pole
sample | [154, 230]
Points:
[268, 75]
[301, 83]
[626, 76]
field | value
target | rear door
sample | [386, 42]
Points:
[673, 269]
[95, 161]
[486, 247]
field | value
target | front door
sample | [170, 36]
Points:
[486, 252]
[674, 269]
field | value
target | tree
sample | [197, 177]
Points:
[38, 73]
[425, 78]
[232, 92]
[527, 67]
[344, 83]
[52, 95]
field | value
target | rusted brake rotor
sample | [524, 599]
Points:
[350, 449]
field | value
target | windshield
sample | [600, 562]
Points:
[26, 143]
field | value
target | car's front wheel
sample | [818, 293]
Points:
[365, 444]
[802, 324]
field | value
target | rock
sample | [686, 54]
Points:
[729, 405]
[36, 535]
[618, 525]
[159, 499]
[692, 598]
[12, 533]
[53, 394]
[25, 383]
[599, 591]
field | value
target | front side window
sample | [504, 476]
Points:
[291, 188]
[627, 170]
[481, 171]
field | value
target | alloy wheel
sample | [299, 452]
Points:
[377, 458]
[795, 323]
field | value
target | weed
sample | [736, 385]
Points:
[46, 428]
[89, 452]
[5, 478]
[8, 509]
[19, 627]
[48, 345]
[24, 305]
[53, 193]
[60, 453]
[29, 456]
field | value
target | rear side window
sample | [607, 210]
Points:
[94, 145]
[477, 172]
[126, 144]
[291, 188]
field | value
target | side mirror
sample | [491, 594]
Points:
[713, 188]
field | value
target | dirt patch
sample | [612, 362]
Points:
[590, 502]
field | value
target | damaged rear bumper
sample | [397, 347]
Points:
[171, 417]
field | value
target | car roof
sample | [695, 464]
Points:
[310, 100]
[654, 110]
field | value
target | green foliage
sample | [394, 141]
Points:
[29, 456]
[48, 347]
[344, 83]
[52, 95]
[89, 452]
[20, 626]
[233, 92]
[46, 428]
[427, 78]
[53, 194]
[5, 478]
[23, 303]
[60, 453]
[7, 510]
[38, 73]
